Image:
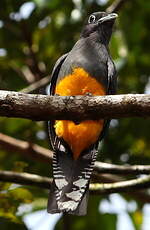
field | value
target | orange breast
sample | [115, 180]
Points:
[79, 136]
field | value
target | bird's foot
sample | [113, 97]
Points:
[88, 94]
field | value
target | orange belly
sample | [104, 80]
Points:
[79, 136]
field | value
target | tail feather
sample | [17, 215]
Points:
[69, 191]
[52, 206]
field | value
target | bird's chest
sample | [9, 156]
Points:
[79, 82]
[79, 136]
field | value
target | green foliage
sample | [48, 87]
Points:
[11, 198]
[29, 47]
[137, 219]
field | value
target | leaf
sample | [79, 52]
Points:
[137, 218]
[20, 194]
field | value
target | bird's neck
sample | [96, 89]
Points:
[102, 37]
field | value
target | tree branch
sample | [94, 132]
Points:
[31, 61]
[45, 182]
[139, 195]
[41, 107]
[122, 186]
[36, 85]
[25, 179]
[102, 167]
[39, 153]
[115, 6]
[28, 149]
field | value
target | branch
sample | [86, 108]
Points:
[123, 186]
[39, 153]
[139, 195]
[102, 167]
[31, 61]
[36, 85]
[26, 148]
[41, 107]
[116, 6]
[45, 182]
[25, 179]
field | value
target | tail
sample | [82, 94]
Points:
[69, 191]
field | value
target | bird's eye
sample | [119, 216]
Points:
[92, 19]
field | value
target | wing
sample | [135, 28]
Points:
[55, 72]
[112, 77]
[111, 89]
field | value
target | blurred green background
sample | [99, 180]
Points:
[33, 34]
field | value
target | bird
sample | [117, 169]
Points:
[87, 69]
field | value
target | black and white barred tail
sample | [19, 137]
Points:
[69, 191]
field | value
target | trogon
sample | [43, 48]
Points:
[87, 69]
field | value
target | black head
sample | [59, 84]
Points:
[99, 26]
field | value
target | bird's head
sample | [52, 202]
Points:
[99, 26]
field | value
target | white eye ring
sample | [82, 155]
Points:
[91, 19]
